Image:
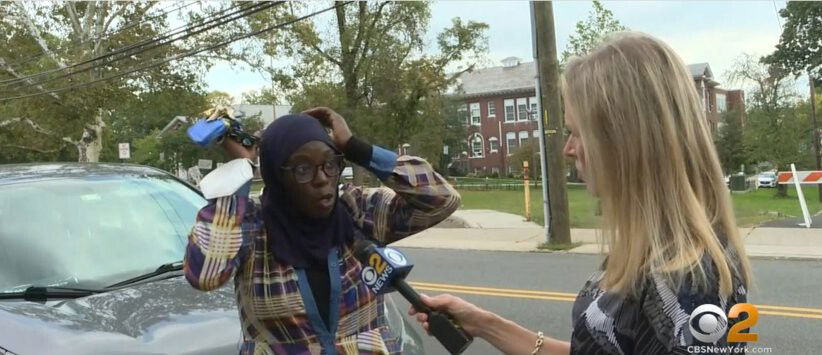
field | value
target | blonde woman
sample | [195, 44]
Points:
[641, 142]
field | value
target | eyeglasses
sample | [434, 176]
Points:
[304, 173]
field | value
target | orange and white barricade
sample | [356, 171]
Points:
[799, 178]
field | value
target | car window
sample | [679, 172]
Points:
[91, 232]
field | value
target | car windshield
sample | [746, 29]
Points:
[91, 232]
[768, 175]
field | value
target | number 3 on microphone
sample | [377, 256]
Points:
[377, 263]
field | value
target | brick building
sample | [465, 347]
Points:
[501, 108]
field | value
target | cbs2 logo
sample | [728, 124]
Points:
[377, 263]
[708, 323]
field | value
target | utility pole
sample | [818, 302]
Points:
[551, 137]
[815, 130]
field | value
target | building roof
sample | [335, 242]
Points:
[173, 125]
[267, 113]
[700, 69]
[518, 78]
[499, 79]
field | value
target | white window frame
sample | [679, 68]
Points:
[476, 137]
[533, 105]
[721, 103]
[491, 142]
[522, 109]
[508, 137]
[463, 111]
[475, 114]
[523, 135]
[492, 109]
[513, 111]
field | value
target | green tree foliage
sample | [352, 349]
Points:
[590, 32]
[800, 47]
[730, 144]
[371, 66]
[43, 37]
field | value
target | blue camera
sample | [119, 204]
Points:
[205, 132]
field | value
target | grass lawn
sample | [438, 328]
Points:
[751, 208]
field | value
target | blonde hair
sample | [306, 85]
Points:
[652, 162]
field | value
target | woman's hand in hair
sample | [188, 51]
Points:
[467, 315]
[333, 120]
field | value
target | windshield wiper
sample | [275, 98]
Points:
[163, 269]
[42, 294]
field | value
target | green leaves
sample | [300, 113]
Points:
[591, 32]
[800, 47]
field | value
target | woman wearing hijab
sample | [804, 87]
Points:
[297, 281]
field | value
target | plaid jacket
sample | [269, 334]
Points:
[276, 306]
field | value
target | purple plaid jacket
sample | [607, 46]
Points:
[276, 307]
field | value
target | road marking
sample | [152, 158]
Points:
[784, 311]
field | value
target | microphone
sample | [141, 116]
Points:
[384, 270]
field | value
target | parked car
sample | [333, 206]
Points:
[767, 179]
[91, 264]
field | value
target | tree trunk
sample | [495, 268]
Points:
[90, 144]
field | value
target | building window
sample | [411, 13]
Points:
[536, 133]
[493, 144]
[721, 103]
[522, 109]
[492, 109]
[511, 142]
[534, 108]
[477, 146]
[475, 114]
[462, 112]
[509, 111]
[495, 171]
[523, 138]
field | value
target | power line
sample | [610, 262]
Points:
[180, 56]
[110, 34]
[778, 20]
[141, 46]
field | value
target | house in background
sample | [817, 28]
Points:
[267, 113]
[501, 108]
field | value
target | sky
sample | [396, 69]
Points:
[716, 32]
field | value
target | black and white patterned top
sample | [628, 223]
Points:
[656, 322]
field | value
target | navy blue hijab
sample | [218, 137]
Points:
[293, 238]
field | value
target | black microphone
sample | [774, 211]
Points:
[384, 270]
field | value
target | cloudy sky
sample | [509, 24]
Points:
[716, 32]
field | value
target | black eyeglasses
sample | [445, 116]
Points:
[304, 173]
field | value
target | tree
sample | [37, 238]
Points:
[527, 152]
[63, 35]
[372, 60]
[729, 142]
[799, 50]
[219, 98]
[776, 130]
[264, 96]
[591, 32]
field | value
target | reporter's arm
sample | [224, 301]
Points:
[512, 338]
[503, 334]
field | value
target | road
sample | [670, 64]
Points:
[496, 281]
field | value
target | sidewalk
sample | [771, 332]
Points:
[498, 231]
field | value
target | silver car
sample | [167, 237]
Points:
[767, 179]
[90, 263]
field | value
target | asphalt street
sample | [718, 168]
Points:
[537, 290]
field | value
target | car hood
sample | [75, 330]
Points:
[160, 317]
